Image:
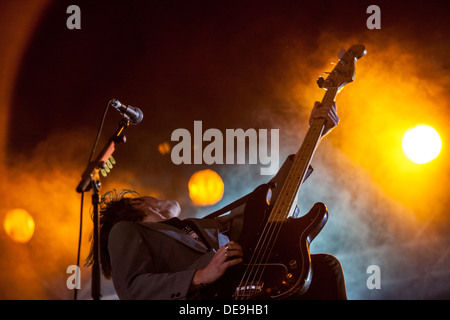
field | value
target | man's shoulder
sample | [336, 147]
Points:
[122, 227]
[132, 229]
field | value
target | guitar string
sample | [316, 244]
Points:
[251, 265]
[279, 216]
[266, 236]
[329, 97]
[294, 185]
[273, 225]
[274, 228]
[262, 249]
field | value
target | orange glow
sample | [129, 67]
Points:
[205, 187]
[19, 225]
[20, 25]
[164, 148]
[391, 93]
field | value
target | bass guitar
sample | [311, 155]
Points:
[277, 262]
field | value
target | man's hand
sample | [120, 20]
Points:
[327, 111]
[227, 256]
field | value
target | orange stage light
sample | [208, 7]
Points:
[164, 148]
[19, 225]
[205, 187]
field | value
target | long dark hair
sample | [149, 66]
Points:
[114, 207]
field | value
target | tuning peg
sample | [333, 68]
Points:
[320, 82]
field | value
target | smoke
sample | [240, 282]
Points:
[44, 184]
[257, 72]
[384, 210]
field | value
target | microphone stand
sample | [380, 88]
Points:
[91, 180]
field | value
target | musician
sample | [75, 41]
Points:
[151, 254]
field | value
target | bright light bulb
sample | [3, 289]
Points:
[421, 144]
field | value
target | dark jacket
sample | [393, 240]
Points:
[158, 261]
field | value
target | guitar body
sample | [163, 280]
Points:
[285, 268]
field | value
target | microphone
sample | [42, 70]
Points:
[134, 115]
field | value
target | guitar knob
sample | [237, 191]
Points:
[293, 264]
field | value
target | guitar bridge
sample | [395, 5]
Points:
[248, 290]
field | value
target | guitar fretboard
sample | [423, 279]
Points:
[288, 195]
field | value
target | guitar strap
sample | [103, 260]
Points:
[228, 207]
[243, 200]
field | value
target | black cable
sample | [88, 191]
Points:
[99, 132]
[79, 246]
[82, 197]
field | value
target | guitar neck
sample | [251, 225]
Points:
[287, 197]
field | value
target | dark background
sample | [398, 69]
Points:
[230, 64]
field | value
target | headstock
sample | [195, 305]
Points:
[344, 71]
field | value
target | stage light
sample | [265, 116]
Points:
[164, 148]
[205, 187]
[19, 225]
[421, 144]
